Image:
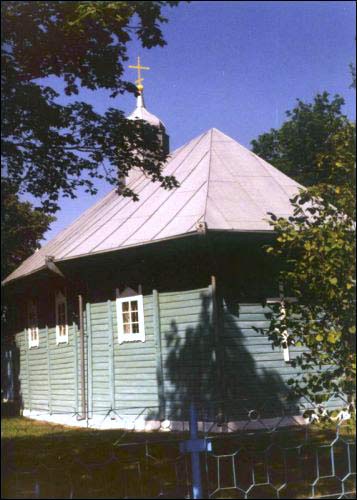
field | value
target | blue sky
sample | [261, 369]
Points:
[236, 66]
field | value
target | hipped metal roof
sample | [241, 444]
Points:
[223, 186]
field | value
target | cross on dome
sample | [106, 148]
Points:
[140, 78]
[141, 113]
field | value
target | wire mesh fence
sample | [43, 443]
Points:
[263, 450]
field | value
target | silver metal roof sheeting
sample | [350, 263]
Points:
[222, 184]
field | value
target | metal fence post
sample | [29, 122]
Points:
[195, 456]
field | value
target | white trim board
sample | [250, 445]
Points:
[131, 422]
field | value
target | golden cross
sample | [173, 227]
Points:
[140, 79]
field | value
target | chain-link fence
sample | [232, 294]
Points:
[265, 450]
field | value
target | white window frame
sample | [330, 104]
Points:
[32, 330]
[130, 337]
[284, 334]
[61, 298]
[282, 316]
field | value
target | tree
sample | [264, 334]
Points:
[295, 147]
[51, 149]
[22, 228]
[317, 245]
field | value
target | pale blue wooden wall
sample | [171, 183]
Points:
[48, 374]
[187, 350]
[177, 361]
[120, 375]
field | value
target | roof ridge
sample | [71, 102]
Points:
[262, 162]
[140, 184]
[180, 209]
[51, 246]
[198, 140]
[240, 189]
[209, 175]
[72, 229]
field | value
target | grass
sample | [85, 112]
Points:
[61, 459]
[53, 461]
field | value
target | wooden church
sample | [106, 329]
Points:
[139, 308]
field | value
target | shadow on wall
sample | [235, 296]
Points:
[11, 396]
[222, 378]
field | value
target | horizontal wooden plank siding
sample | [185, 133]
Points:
[37, 376]
[128, 380]
[255, 370]
[21, 368]
[135, 376]
[161, 376]
[41, 390]
[100, 392]
[187, 349]
[63, 375]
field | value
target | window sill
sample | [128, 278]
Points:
[61, 342]
[128, 341]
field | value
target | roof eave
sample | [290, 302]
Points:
[8, 280]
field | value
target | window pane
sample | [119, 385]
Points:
[125, 306]
[135, 327]
[134, 305]
[134, 316]
[126, 317]
[126, 328]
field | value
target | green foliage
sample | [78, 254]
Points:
[317, 246]
[22, 228]
[295, 147]
[51, 149]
